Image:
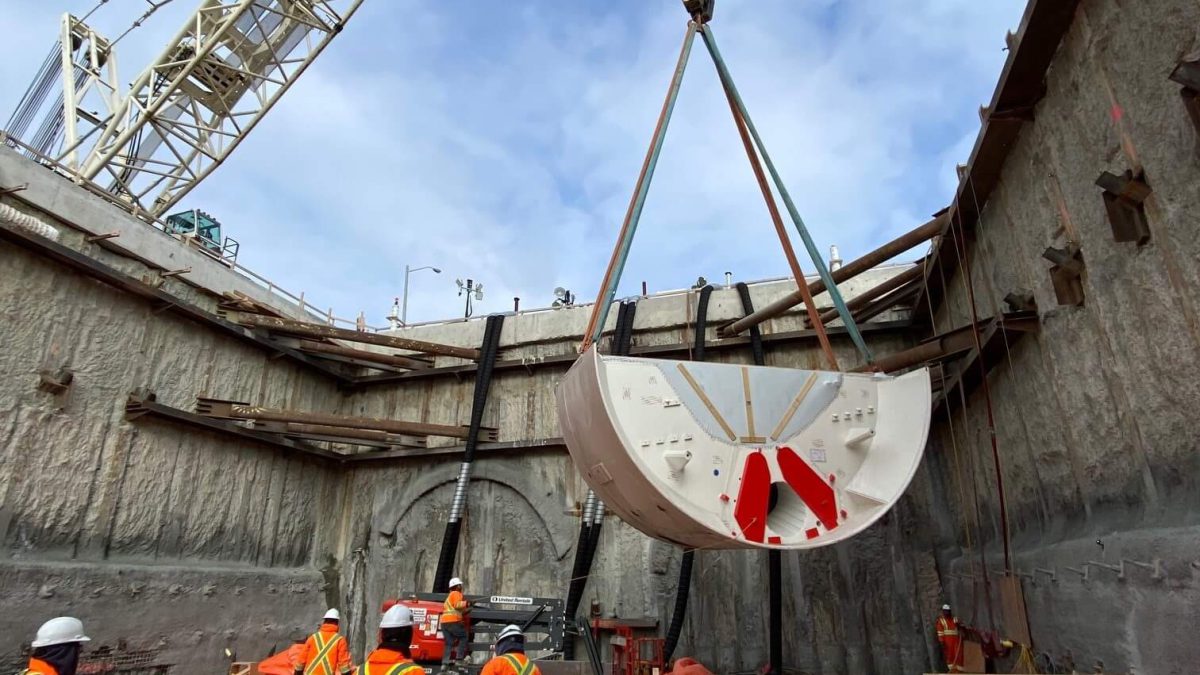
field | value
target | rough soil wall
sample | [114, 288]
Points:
[1095, 414]
[178, 543]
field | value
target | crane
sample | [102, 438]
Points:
[183, 115]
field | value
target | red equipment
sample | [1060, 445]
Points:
[635, 655]
[428, 643]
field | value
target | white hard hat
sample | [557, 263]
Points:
[945, 608]
[509, 631]
[60, 631]
[455, 582]
[397, 616]
[333, 614]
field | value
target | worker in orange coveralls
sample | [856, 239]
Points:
[56, 647]
[325, 651]
[949, 634]
[395, 638]
[510, 656]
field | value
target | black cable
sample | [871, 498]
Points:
[684, 585]
[483, 382]
[774, 557]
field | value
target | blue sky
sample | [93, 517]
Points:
[500, 141]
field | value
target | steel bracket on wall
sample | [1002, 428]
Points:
[1187, 73]
[1066, 274]
[1124, 199]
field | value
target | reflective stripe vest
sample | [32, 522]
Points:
[450, 609]
[511, 664]
[519, 668]
[947, 627]
[402, 668]
[323, 662]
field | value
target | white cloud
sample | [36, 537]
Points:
[503, 143]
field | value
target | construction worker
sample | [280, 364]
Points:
[395, 636]
[950, 636]
[510, 656]
[56, 647]
[325, 651]
[454, 630]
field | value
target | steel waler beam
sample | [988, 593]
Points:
[863, 299]
[851, 269]
[303, 328]
[241, 411]
[396, 360]
[883, 304]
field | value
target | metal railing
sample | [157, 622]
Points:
[227, 254]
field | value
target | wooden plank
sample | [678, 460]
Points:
[795, 405]
[1012, 603]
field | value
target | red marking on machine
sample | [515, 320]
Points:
[753, 497]
[817, 495]
[812, 533]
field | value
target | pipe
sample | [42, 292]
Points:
[483, 382]
[850, 270]
[862, 299]
[684, 584]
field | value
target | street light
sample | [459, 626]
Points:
[407, 271]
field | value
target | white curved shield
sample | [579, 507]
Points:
[711, 455]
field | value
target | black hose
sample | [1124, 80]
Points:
[774, 557]
[589, 532]
[684, 585]
[756, 343]
[483, 382]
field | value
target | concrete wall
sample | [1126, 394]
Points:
[171, 540]
[1095, 414]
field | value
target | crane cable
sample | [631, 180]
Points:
[755, 149]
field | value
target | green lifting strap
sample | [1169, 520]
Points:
[643, 187]
[834, 294]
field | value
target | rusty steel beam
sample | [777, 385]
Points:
[220, 409]
[850, 270]
[406, 362]
[306, 329]
[863, 299]
[324, 432]
[881, 305]
[141, 404]
[675, 350]
[953, 343]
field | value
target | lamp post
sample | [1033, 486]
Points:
[407, 271]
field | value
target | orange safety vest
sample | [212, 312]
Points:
[39, 667]
[326, 653]
[510, 664]
[452, 608]
[388, 662]
[948, 635]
